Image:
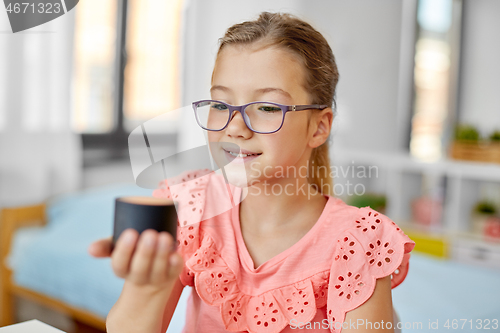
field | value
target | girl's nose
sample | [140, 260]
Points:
[237, 126]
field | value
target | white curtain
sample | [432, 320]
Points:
[40, 156]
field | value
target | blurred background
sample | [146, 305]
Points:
[416, 136]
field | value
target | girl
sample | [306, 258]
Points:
[290, 255]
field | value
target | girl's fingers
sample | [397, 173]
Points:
[142, 261]
[101, 248]
[176, 263]
[122, 253]
[159, 270]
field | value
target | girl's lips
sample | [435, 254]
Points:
[238, 150]
[235, 159]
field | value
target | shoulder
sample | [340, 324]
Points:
[366, 226]
[370, 246]
[380, 231]
[370, 238]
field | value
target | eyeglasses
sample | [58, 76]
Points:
[260, 117]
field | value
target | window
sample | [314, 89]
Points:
[126, 70]
[435, 85]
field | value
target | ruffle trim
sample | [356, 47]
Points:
[372, 247]
[188, 190]
[269, 312]
[385, 250]
[345, 286]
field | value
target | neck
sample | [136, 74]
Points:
[286, 202]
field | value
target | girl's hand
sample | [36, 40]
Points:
[101, 248]
[147, 259]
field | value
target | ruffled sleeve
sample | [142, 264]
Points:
[372, 247]
[268, 312]
[188, 192]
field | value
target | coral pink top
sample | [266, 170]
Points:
[328, 272]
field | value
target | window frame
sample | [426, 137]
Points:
[99, 148]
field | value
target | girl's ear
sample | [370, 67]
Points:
[321, 124]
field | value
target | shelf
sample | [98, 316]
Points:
[405, 162]
[467, 249]
[436, 230]
[459, 184]
[458, 246]
[431, 243]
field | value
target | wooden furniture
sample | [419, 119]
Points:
[12, 219]
[476, 151]
[33, 325]
[460, 184]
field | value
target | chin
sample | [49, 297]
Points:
[236, 175]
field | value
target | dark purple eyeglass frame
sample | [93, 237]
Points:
[241, 108]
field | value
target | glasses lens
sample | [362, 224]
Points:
[264, 117]
[212, 115]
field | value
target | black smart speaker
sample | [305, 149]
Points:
[141, 213]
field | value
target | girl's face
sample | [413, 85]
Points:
[244, 74]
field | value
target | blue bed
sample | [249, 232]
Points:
[445, 290]
[53, 260]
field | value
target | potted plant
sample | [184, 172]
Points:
[373, 200]
[482, 212]
[492, 228]
[469, 145]
[467, 133]
[427, 211]
[495, 136]
[495, 142]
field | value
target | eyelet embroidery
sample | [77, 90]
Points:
[216, 285]
[351, 282]
[349, 285]
[320, 288]
[370, 221]
[187, 190]
[379, 254]
[338, 288]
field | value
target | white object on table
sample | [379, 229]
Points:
[30, 326]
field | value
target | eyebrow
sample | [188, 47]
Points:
[216, 87]
[278, 90]
[260, 91]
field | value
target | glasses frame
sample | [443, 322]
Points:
[241, 109]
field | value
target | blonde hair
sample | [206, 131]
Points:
[299, 37]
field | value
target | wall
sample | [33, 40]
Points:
[203, 27]
[39, 154]
[480, 80]
[106, 174]
[365, 38]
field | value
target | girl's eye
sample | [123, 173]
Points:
[269, 108]
[218, 106]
